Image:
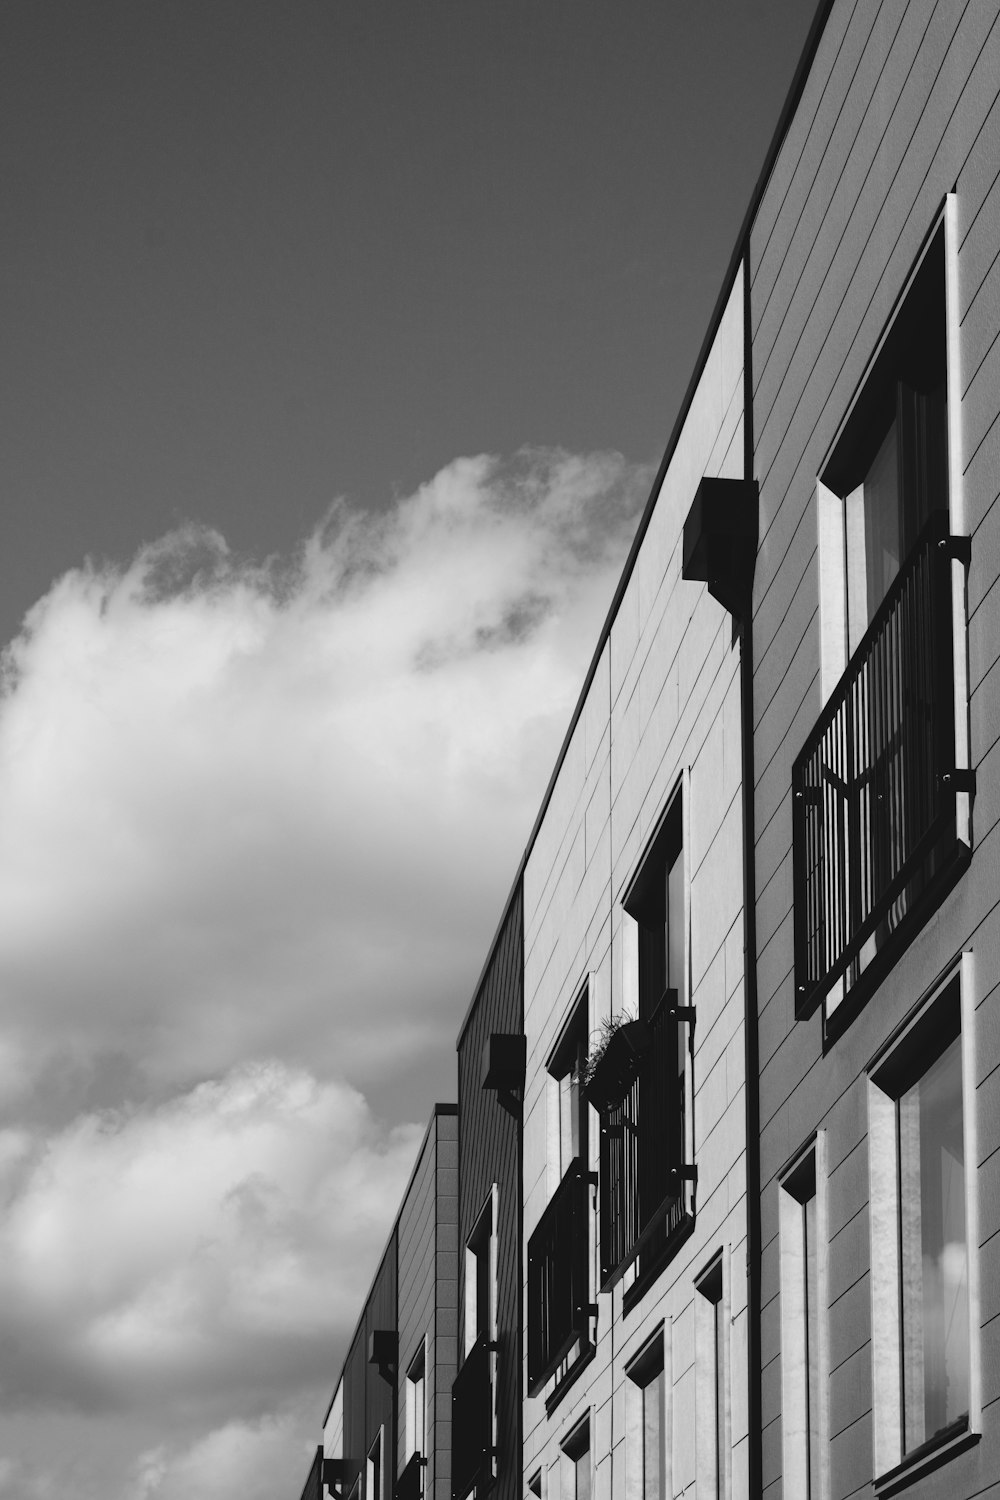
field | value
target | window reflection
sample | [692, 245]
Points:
[933, 1251]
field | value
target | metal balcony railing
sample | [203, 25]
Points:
[874, 785]
[472, 1421]
[410, 1484]
[558, 1276]
[642, 1152]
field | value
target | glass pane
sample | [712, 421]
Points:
[419, 1445]
[569, 1118]
[882, 540]
[676, 957]
[675, 926]
[933, 1251]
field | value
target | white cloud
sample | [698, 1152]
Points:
[255, 1461]
[273, 810]
[207, 1254]
[256, 812]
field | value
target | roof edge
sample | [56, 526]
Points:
[788, 109]
[437, 1109]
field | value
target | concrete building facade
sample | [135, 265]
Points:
[876, 395]
[724, 1175]
[634, 909]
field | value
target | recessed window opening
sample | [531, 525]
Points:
[646, 1456]
[645, 1165]
[920, 1247]
[561, 1304]
[875, 785]
[480, 1278]
[373, 1469]
[565, 1068]
[933, 1254]
[576, 1462]
[890, 463]
[416, 1412]
[802, 1354]
[712, 1352]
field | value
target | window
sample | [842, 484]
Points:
[568, 1110]
[373, 1469]
[560, 1296]
[416, 1410]
[645, 1425]
[802, 1253]
[878, 828]
[712, 1383]
[920, 1240]
[474, 1404]
[480, 1277]
[889, 468]
[646, 1172]
[575, 1472]
[535, 1484]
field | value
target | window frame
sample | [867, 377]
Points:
[640, 1372]
[410, 1444]
[713, 1387]
[375, 1467]
[802, 1180]
[668, 844]
[568, 1052]
[572, 1449]
[482, 1244]
[841, 998]
[947, 1005]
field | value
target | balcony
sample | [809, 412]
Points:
[874, 787]
[410, 1484]
[558, 1277]
[643, 1170]
[472, 1438]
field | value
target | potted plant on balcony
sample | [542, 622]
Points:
[613, 1060]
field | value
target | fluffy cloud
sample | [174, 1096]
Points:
[250, 1460]
[206, 1255]
[272, 810]
[259, 821]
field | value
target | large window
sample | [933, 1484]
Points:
[645, 1425]
[374, 1469]
[920, 1240]
[802, 1252]
[416, 1406]
[560, 1294]
[575, 1464]
[644, 1091]
[878, 829]
[568, 1110]
[712, 1397]
[474, 1390]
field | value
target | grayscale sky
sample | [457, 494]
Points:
[339, 344]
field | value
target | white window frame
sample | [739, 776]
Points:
[491, 1207]
[569, 1453]
[884, 1219]
[796, 1450]
[379, 1447]
[411, 1402]
[640, 1372]
[713, 1419]
[629, 989]
[832, 552]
